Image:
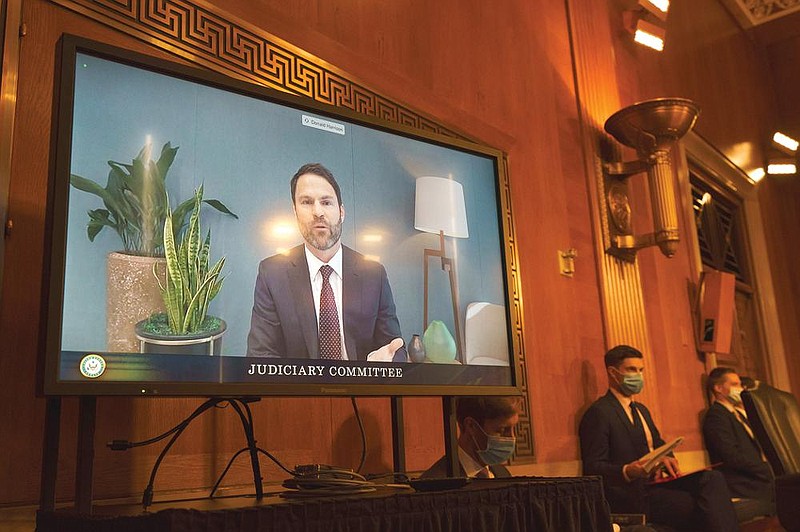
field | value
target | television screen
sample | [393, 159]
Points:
[210, 236]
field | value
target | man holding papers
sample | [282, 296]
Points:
[617, 432]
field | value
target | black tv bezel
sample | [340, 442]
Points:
[55, 236]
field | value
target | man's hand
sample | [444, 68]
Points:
[670, 466]
[385, 353]
[667, 466]
[634, 470]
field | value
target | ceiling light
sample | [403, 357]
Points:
[658, 8]
[649, 35]
[781, 167]
[785, 141]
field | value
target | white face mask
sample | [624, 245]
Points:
[735, 394]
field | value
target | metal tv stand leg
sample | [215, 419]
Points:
[450, 436]
[398, 436]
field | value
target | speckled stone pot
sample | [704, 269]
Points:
[132, 295]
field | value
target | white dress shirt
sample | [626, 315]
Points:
[741, 417]
[626, 406]
[626, 401]
[472, 467]
[314, 264]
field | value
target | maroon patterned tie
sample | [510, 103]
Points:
[330, 343]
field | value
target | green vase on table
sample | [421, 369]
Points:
[440, 346]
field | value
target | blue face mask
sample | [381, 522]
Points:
[632, 383]
[499, 449]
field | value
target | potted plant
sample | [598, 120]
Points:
[135, 207]
[188, 288]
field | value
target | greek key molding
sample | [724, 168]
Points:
[207, 36]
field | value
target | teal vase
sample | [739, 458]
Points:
[440, 347]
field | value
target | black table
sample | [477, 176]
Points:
[490, 505]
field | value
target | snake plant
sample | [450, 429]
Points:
[135, 202]
[189, 284]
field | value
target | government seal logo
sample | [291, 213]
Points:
[92, 366]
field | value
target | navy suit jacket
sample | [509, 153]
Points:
[284, 320]
[727, 441]
[608, 441]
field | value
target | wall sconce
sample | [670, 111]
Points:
[652, 128]
[439, 208]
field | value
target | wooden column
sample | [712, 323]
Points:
[598, 97]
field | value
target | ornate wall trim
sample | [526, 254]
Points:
[207, 36]
[765, 10]
[756, 12]
[10, 30]
[202, 34]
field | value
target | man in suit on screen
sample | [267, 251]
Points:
[616, 431]
[322, 299]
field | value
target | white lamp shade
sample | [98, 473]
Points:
[439, 206]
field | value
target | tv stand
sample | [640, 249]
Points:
[398, 435]
[450, 435]
[85, 447]
[87, 414]
[84, 467]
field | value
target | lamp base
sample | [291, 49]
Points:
[449, 266]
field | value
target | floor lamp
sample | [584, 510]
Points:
[439, 209]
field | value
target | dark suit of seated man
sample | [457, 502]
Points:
[615, 432]
[485, 437]
[322, 299]
[730, 441]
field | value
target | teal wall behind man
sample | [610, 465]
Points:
[244, 151]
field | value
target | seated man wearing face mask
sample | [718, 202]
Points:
[616, 431]
[485, 437]
[730, 441]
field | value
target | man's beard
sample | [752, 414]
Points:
[325, 240]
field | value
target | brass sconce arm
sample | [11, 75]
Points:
[625, 169]
[652, 128]
[635, 242]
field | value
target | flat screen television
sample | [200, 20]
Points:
[133, 133]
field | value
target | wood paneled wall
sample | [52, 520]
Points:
[780, 201]
[779, 198]
[502, 73]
